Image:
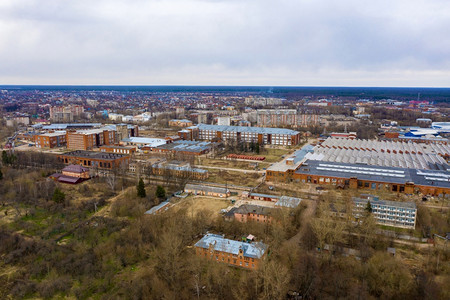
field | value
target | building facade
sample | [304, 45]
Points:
[93, 159]
[389, 213]
[261, 135]
[204, 190]
[51, 140]
[276, 117]
[89, 139]
[240, 254]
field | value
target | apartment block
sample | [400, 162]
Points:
[276, 117]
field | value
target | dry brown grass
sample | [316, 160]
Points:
[195, 204]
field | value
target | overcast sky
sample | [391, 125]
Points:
[226, 42]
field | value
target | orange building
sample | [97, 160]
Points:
[89, 139]
[51, 139]
[180, 123]
[76, 171]
[94, 159]
[247, 212]
[240, 254]
[118, 149]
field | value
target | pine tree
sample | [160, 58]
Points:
[369, 207]
[160, 192]
[58, 196]
[5, 158]
[141, 189]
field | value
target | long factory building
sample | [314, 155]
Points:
[432, 177]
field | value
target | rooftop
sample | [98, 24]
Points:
[152, 142]
[211, 189]
[219, 243]
[254, 209]
[163, 205]
[376, 173]
[295, 159]
[75, 169]
[375, 201]
[56, 133]
[70, 125]
[187, 146]
[95, 155]
[261, 130]
[382, 153]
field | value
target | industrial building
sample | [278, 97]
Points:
[204, 190]
[179, 169]
[398, 167]
[185, 147]
[143, 142]
[261, 135]
[382, 153]
[402, 180]
[93, 159]
[240, 254]
[389, 213]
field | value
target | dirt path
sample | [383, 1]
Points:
[307, 214]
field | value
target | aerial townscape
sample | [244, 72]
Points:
[205, 149]
[221, 188]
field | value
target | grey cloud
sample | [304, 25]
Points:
[216, 42]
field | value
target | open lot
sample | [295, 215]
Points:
[195, 204]
[233, 177]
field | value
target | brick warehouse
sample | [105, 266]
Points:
[92, 159]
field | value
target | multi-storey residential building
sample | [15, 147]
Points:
[51, 139]
[65, 113]
[276, 117]
[261, 135]
[390, 213]
[89, 139]
[240, 254]
[118, 149]
[304, 120]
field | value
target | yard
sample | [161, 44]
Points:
[195, 204]
[234, 177]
